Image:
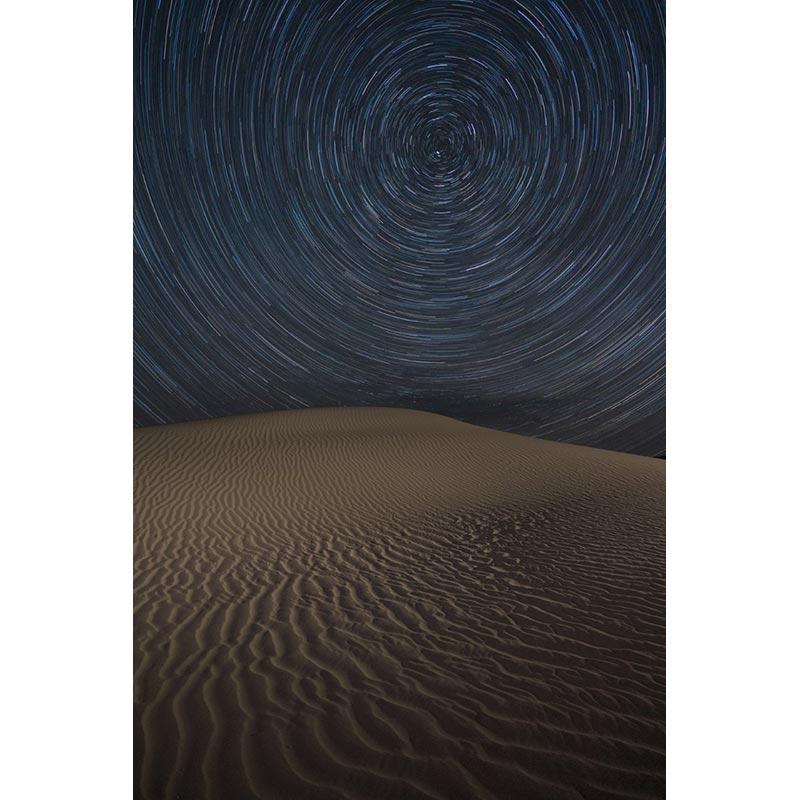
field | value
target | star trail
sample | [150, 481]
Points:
[455, 205]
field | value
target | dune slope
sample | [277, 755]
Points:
[375, 603]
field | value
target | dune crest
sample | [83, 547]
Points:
[378, 603]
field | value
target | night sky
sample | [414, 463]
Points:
[450, 205]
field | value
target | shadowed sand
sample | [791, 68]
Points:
[375, 603]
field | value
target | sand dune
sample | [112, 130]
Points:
[374, 603]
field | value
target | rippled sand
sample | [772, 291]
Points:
[374, 603]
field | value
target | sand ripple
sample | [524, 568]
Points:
[367, 603]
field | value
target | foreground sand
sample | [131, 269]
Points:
[374, 603]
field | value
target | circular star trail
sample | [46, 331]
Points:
[453, 205]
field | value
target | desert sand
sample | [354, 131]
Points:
[376, 603]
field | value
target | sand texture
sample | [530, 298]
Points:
[375, 603]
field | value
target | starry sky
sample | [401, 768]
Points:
[451, 205]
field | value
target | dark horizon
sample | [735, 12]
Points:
[482, 414]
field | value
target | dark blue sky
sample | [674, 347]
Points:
[448, 205]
